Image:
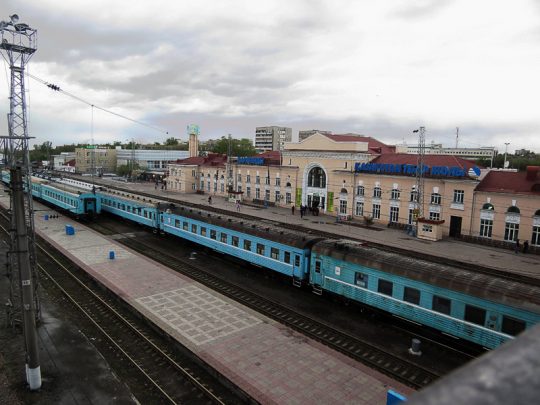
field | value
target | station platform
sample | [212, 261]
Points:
[270, 362]
[497, 258]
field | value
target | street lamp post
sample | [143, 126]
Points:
[505, 151]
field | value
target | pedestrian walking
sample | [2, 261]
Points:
[516, 247]
[238, 205]
[155, 187]
[525, 246]
[292, 209]
[301, 211]
[210, 199]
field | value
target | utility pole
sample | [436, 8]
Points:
[229, 167]
[420, 169]
[18, 44]
[457, 137]
[505, 151]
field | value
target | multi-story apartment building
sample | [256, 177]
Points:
[272, 138]
[93, 158]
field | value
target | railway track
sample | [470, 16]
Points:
[400, 369]
[520, 278]
[160, 372]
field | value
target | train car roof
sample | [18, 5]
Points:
[68, 188]
[130, 197]
[260, 228]
[490, 287]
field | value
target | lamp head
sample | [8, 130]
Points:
[14, 18]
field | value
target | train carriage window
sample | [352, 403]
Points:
[224, 237]
[247, 244]
[475, 315]
[203, 231]
[185, 226]
[193, 228]
[512, 326]
[411, 295]
[442, 305]
[296, 260]
[287, 257]
[235, 241]
[274, 253]
[177, 223]
[260, 249]
[317, 266]
[213, 234]
[361, 279]
[385, 287]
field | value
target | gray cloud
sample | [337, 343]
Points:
[344, 66]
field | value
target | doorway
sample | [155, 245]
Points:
[455, 227]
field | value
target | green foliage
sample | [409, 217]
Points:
[123, 170]
[239, 147]
[514, 162]
[171, 142]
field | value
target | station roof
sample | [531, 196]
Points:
[374, 146]
[430, 160]
[527, 182]
[213, 159]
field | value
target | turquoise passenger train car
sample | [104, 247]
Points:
[483, 309]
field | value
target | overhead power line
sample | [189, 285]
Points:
[57, 88]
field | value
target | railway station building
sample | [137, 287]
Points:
[357, 177]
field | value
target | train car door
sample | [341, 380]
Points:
[316, 276]
[89, 206]
[297, 270]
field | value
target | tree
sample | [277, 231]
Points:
[171, 142]
[239, 147]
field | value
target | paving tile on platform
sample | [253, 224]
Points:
[204, 323]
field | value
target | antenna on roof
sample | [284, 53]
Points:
[457, 137]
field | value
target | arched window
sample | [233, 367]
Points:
[343, 191]
[513, 209]
[488, 207]
[360, 190]
[537, 213]
[288, 184]
[317, 178]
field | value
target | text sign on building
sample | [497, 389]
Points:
[445, 171]
[250, 161]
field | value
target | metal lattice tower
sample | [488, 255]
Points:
[420, 169]
[18, 44]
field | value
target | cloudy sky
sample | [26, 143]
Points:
[379, 69]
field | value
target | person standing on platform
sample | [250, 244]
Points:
[210, 200]
[238, 205]
[292, 209]
[516, 247]
[525, 246]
